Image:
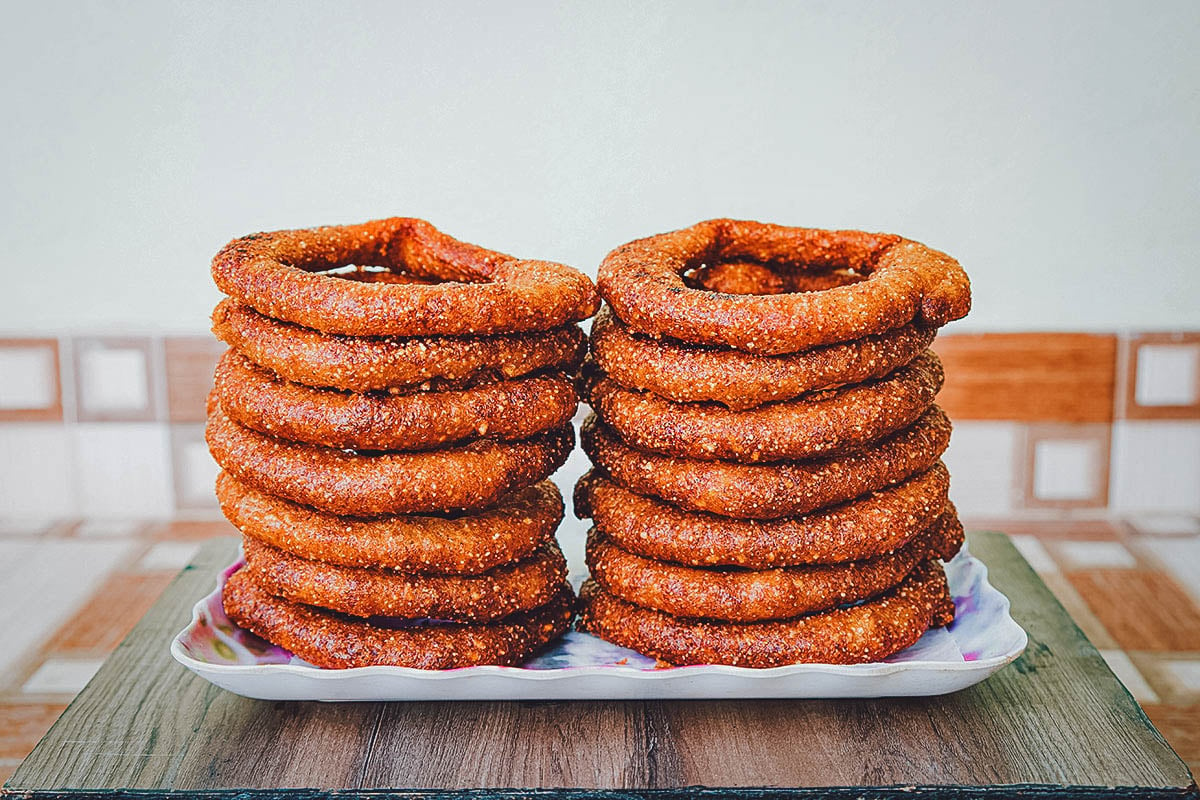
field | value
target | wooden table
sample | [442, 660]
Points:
[1057, 722]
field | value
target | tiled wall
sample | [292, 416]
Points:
[1055, 424]
[1081, 425]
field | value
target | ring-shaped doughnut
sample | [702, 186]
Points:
[505, 410]
[476, 475]
[462, 544]
[516, 586]
[825, 423]
[476, 292]
[691, 374]
[877, 523]
[769, 491]
[334, 641]
[646, 284]
[870, 631]
[363, 364]
[738, 595]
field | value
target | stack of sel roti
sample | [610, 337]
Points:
[386, 417]
[767, 486]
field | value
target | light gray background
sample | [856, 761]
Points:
[1051, 147]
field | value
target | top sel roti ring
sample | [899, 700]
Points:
[435, 285]
[771, 289]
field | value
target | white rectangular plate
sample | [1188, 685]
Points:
[982, 639]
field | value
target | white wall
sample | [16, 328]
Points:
[1052, 148]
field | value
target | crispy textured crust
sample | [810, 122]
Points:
[692, 374]
[473, 476]
[644, 282]
[477, 291]
[737, 595]
[862, 528]
[516, 586]
[868, 632]
[333, 641]
[506, 410]
[832, 422]
[363, 364]
[769, 491]
[465, 544]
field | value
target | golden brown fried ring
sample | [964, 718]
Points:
[906, 282]
[858, 634]
[476, 475]
[471, 291]
[506, 410]
[333, 641]
[738, 595]
[862, 528]
[769, 491]
[516, 586]
[465, 544]
[692, 374]
[364, 364]
[825, 423]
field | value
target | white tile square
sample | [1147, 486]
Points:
[1166, 524]
[1167, 375]
[1066, 469]
[107, 528]
[1156, 466]
[198, 476]
[124, 469]
[172, 556]
[62, 676]
[1096, 555]
[1031, 548]
[1185, 672]
[28, 377]
[112, 379]
[36, 476]
[981, 460]
[1121, 665]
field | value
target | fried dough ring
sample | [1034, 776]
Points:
[476, 475]
[737, 595]
[907, 282]
[505, 410]
[516, 586]
[769, 491]
[831, 422]
[871, 631]
[466, 544]
[868, 526]
[333, 641]
[477, 291]
[364, 364]
[692, 374]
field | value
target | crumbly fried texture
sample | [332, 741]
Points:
[517, 586]
[334, 641]
[472, 476]
[460, 544]
[468, 290]
[739, 595]
[645, 283]
[691, 374]
[374, 363]
[871, 631]
[506, 410]
[769, 491]
[868, 526]
[824, 423]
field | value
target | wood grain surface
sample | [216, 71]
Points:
[1029, 377]
[1054, 723]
